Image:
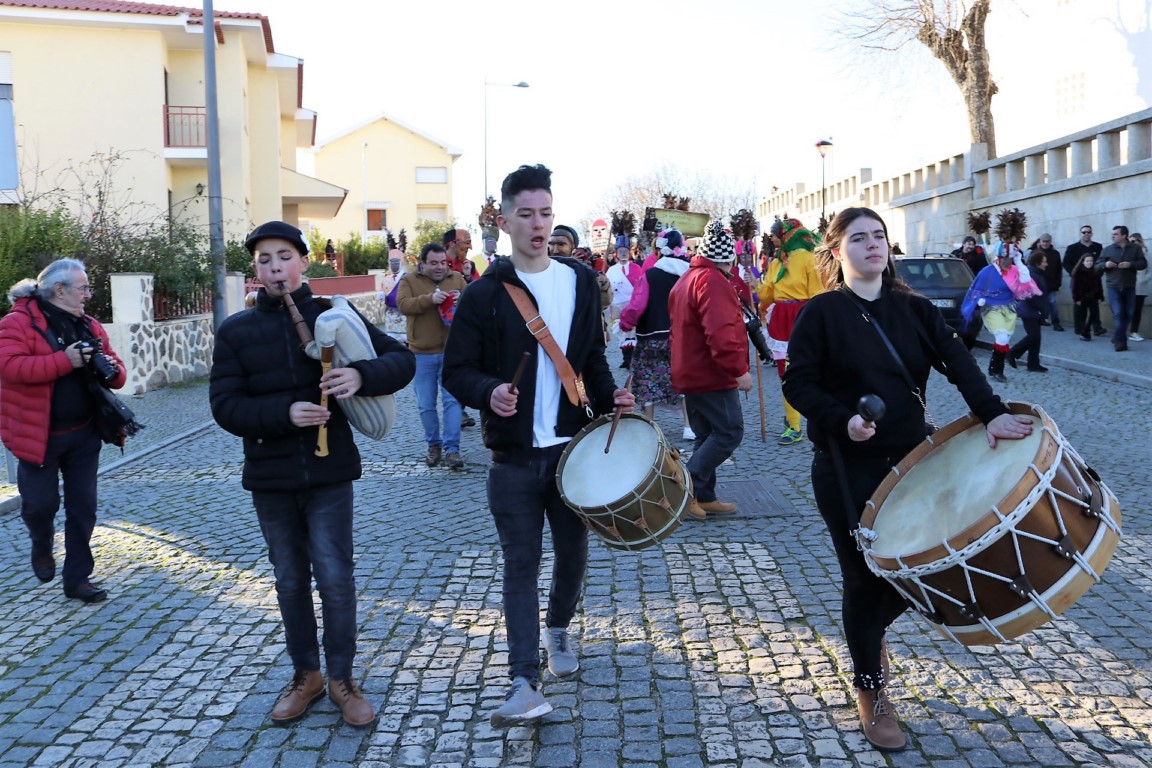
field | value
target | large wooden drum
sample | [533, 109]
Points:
[990, 544]
[631, 497]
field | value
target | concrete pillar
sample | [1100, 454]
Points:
[995, 181]
[1057, 161]
[1107, 150]
[1034, 170]
[233, 293]
[1014, 175]
[1139, 142]
[132, 297]
[1081, 157]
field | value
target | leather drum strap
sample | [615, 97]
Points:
[573, 384]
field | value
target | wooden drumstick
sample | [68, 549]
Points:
[519, 372]
[616, 417]
[322, 434]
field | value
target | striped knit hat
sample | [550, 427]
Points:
[717, 244]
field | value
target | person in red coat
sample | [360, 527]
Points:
[50, 351]
[710, 363]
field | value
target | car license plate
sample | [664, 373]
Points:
[943, 303]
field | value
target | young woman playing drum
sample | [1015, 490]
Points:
[838, 355]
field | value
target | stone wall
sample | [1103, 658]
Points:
[1099, 176]
[157, 354]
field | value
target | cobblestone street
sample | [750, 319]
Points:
[722, 648]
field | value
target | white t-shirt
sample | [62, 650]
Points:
[555, 292]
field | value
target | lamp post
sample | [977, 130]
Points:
[824, 146]
[520, 84]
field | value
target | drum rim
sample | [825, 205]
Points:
[972, 535]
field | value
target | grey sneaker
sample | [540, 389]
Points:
[561, 660]
[522, 704]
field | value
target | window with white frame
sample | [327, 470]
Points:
[431, 175]
[9, 170]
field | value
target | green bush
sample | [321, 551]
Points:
[30, 240]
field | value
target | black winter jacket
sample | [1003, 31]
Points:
[259, 370]
[835, 356]
[488, 339]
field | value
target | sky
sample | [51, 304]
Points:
[742, 89]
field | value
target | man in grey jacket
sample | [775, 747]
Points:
[1120, 262]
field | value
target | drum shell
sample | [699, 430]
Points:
[647, 514]
[1088, 522]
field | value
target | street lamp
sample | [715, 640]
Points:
[520, 84]
[824, 146]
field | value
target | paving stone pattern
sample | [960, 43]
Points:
[721, 648]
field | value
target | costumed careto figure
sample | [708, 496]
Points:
[647, 314]
[870, 334]
[788, 282]
[49, 353]
[998, 287]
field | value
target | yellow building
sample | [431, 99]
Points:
[396, 174]
[88, 79]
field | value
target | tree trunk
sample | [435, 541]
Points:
[964, 53]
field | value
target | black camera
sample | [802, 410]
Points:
[756, 333]
[98, 362]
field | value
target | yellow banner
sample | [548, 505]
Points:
[690, 224]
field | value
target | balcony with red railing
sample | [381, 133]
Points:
[185, 126]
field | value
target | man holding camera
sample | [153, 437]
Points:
[50, 352]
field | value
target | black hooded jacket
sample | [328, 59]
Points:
[259, 370]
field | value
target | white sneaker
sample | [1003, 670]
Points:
[689, 434]
[562, 660]
[1135, 337]
[523, 703]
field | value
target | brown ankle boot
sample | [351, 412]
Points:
[881, 726]
[307, 686]
[353, 706]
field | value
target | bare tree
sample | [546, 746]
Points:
[707, 194]
[953, 30]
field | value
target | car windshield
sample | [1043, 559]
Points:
[938, 273]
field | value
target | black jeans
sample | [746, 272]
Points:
[1086, 317]
[521, 493]
[1030, 343]
[75, 456]
[870, 604]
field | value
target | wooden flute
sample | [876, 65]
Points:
[306, 338]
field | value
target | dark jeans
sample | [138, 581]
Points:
[521, 493]
[75, 456]
[1054, 307]
[1137, 314]
[309, 533]
[1030, 343]
[870, 604]
[1122, 301]
[1086, 317]
[716, 419]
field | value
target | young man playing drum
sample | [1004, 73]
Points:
[265, 389]
[528, 422]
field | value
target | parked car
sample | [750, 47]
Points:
[943, 278]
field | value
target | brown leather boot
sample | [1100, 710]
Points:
[881, 726]
[353, 706]
[307, 686]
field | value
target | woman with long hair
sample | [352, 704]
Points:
[837, 355]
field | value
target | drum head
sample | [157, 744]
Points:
[950, 489]
[594, 478]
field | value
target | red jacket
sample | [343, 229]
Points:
[709, 342]
[29, 368]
